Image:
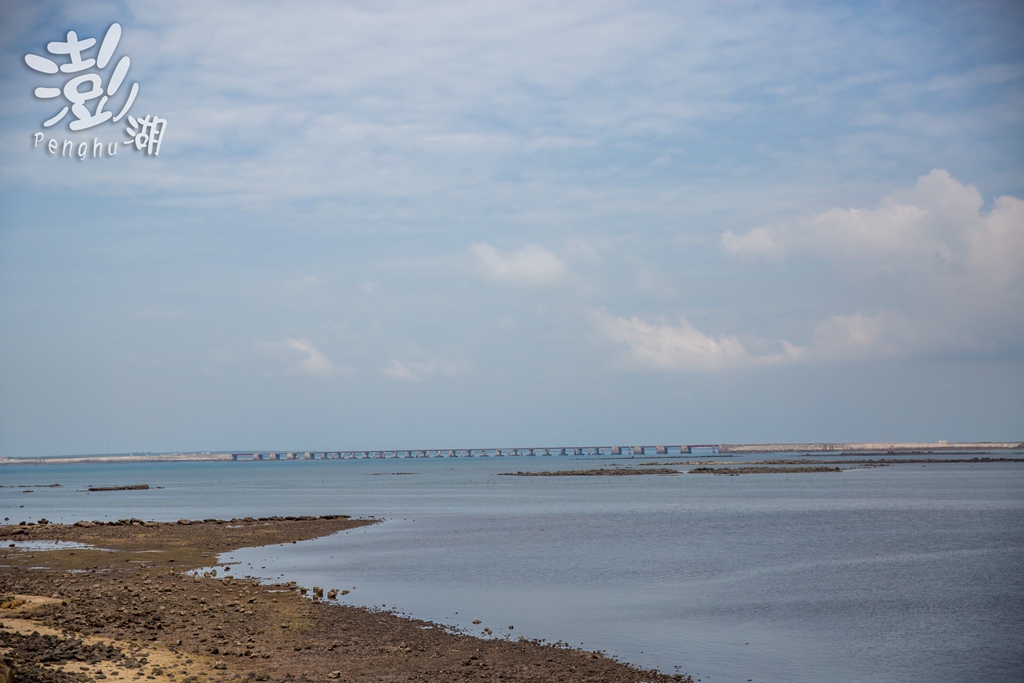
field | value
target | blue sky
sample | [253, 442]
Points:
[457, 224]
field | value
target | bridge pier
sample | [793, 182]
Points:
[684, 449]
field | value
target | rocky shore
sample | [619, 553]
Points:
[125, 604]
[604, 472]
[790, 469]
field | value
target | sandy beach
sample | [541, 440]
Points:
[124, 606]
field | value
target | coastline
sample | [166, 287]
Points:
[135, 609]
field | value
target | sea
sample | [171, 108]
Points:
[909, 572]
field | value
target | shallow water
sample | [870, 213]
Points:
[909, 573]
[49, 545]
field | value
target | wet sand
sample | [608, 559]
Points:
[132, 612]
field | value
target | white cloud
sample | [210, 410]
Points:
[996, 248]
[529, 266]
[757, 242]
[883, 333]
[938, 224]
[417, 371]
[931, 268]
[301, 357]
[683, 347]
[663, 346]
[409, 371]
[589, 251]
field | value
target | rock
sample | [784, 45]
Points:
[130, 487]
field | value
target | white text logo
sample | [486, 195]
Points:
[94, 91]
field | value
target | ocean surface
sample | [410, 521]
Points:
[900, 573]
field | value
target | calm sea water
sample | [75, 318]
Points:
[903, 573]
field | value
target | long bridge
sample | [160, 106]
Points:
[873, 448]
[597, 451]
[544, 451]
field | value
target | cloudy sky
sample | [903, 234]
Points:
[378, 225]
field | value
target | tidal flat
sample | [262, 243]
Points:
[128, 601]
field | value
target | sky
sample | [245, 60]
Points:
[391, 225]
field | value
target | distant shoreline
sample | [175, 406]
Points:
[103, 459]
[874, 447]
[879, 448]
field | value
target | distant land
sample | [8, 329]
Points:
[121, 457]
[876, 447]
[881, 447]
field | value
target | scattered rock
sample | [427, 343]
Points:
[243, 630]
[130, 487]
[593, 473]
[735, 471]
